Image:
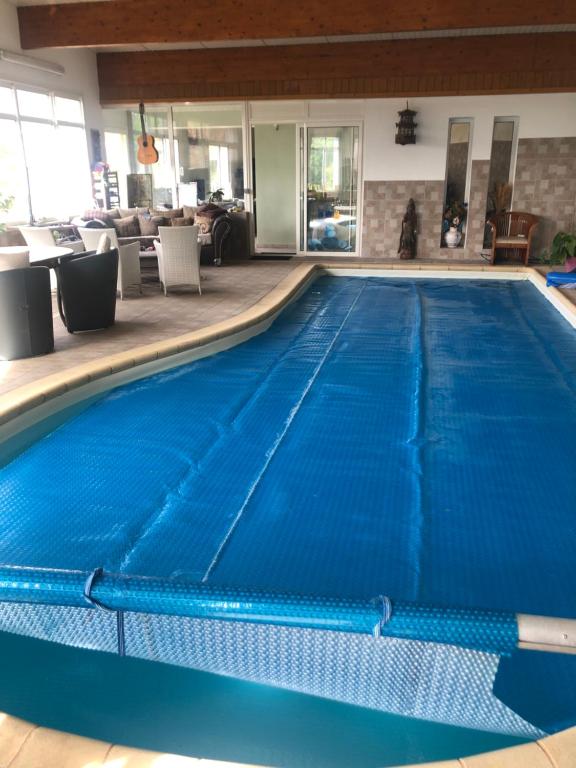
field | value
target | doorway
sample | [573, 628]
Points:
[328, 210]
[274, 175]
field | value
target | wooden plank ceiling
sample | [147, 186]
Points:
[125, 22]
[426, 64]
[439, 66]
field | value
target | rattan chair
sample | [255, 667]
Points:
[128, 256]
[178, 257]
[87, 290]
[512, 232]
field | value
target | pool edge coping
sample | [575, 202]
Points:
[20, 400]
[23, 743]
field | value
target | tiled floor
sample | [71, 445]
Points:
[226, 291]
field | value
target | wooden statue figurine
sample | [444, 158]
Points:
[407, 247]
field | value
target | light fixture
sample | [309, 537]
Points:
[22, 60]
[405, 133]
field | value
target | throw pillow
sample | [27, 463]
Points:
[210, 207]
[124, 212]
[189, 211]
[207, 215]
[185, 221]
[126, 227]
[204, 224]
[97, 214]
[149, 224]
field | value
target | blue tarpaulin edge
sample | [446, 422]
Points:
[477, 629]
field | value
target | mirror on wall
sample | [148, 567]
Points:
[499, 198]
[457, 180]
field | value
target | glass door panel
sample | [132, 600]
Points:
[208, 146]
[331, 182]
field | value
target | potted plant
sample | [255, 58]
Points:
[563, 251]
[217, 196]
[6, 202]
[453, 223]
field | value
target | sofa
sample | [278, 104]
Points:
[224, 235]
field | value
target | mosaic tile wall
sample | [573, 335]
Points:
[545, 184]
[476, 220]
[385, 204]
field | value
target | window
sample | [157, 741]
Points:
[44, 161]
[220, 169]
[208, 151]
[457, 182]
[157, 125]
[324, 162]
[118, 159]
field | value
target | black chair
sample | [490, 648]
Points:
[87, 290]
[26, 328]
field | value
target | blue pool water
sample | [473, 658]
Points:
[408, 438]
[165, 708]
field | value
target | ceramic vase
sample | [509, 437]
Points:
[452, 237]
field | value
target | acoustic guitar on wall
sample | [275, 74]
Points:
[147, 152]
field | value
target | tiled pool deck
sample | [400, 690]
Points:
[226, 291]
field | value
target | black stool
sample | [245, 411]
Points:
[26, 328]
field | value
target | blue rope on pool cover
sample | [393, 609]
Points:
[401, 438]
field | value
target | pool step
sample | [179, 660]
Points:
[25, 745]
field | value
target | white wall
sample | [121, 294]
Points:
[540, 115]
[80, 78]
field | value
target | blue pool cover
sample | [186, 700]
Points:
[407, 438]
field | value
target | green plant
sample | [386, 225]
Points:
[6, 202]
[563, 248]
[217, 196]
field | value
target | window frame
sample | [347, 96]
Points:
[19, 119]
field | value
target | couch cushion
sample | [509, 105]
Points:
[127, 227]
[149, 224]
[124, 212]
[184, 221]
[169, 213]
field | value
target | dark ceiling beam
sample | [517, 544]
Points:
[123, 22]
[424, 67]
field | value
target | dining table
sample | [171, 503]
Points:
[49, 256]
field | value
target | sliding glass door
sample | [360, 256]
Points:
[329, 160]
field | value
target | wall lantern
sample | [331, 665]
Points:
[405, 129]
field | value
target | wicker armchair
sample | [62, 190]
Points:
[178, 257]
[512, 231]
[128, 256]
